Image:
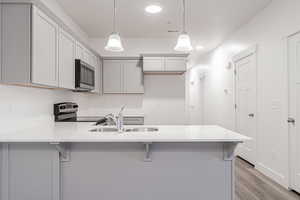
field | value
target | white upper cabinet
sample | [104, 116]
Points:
[175, 64]
[112, 76]
[123, 77]
[44, 49]
[153, 64]
[133, 76]
[66, 58]
[79, 51]
[98, 72]
[164, 64]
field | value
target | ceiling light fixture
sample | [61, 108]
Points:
[184, 41]
[153, 9]
[114, 42]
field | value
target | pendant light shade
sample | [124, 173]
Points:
[184, 40]
[114, 42]
[183, 43]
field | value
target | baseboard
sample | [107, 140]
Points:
[275, 176]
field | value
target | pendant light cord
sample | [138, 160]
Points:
[183, 16]
[115, 13]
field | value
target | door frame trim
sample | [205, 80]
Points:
[287, 67]
[252, 50]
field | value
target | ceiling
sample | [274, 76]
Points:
[209, 21]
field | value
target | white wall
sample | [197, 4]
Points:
[268, 30]
[163, 101]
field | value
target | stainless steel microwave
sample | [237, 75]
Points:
[84, 76]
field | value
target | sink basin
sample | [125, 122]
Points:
[141, 129]
[104, 129]
[112, 129]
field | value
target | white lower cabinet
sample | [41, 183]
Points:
[66, 60]
[123, 77]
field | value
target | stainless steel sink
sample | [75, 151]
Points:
[104, 129]
[141, 129]
[112, 129]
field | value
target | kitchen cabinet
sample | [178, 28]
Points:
[66, 57]
[112, 76]
[122, 76]
[98, 74]
[153, 64]
[45, 49]
[164, 64]
[175, 64]
[30, 46]
[16, 43]
[45, 52]
[132, 77]
[79, 51]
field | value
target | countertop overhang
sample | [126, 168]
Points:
[80, 132]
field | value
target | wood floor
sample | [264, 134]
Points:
[252, 185]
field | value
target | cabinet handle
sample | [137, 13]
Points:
[291, 120]
[251, 115]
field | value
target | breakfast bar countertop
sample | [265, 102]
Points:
[81, 132]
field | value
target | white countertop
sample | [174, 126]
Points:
[79, 132]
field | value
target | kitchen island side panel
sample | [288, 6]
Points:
[29, 171]
[192, 171]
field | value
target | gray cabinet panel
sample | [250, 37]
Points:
[16, 42]
[178, 171]
[29, 172]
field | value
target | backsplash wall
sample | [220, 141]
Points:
[162, 103]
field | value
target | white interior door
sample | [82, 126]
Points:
[246, 105]
[294, 110]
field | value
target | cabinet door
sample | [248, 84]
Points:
[96, 64]
[79, 51]
[133, 76]
[45, 49]
[153, 64]
[87, 57]
[175, 64]
[66, 60]
[112, 77]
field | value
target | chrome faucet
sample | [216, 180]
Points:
[120, 119]
[117, 120]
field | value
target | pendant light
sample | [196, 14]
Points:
[184, 41]
[114, 42]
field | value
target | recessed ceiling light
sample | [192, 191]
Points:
[153, 9]
[199, 47]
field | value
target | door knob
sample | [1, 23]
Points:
[251, 115]
[291, 120]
